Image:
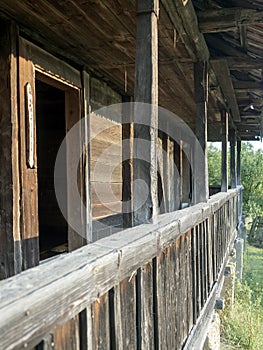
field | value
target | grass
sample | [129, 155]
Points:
[242, 325]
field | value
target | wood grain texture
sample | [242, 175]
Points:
[10, 247]
[105, 152]
[227, 19]
[146, 91]
[29, 201]
[125, 314]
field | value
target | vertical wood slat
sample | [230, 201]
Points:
[167, 299]
[66, 337]
[147, 320]
[10, 248]
[100, 324]
[189, 281]
[183, 288]
[205, 260]
[209, 255]
[194, 273]
[198, 270]
[125, 314]
[161, 295]
[29, 195]
[173, 301]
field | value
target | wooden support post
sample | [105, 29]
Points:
[233, 158]
[127, 163]
[201, 192]
[146, 90]
[10, 246]
[177, 171]
[239, 162]
[85, 109]
[224, 164]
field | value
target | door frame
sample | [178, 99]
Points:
[35, 63]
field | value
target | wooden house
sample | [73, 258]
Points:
[142, 277]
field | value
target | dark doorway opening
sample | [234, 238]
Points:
[51, 130]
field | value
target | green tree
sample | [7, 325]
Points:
[214, 165]
[251, 176]
[252, 180]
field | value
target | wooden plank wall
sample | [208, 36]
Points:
[106, 161]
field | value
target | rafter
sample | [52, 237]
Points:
[223, 75]
[248, 85]
[227, 19]
[241, 63]
[184, 19]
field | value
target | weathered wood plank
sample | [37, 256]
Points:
[10, 247]
[224, 161]
[227, 19]
[233, 178]
[127, 163]
[50, 65]
[146, 91]
[223, 75]
[201, 191]
[29, 201]
[125, 314]
[67, 336]
[101, 326]
[147, 319]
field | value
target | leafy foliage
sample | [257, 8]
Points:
[214, 165]
[251, 176]
[252, 180]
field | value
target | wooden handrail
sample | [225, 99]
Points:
[44, 297]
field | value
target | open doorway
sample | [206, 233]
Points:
[51, 130]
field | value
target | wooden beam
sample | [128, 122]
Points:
[127, 163]
[146, 118]
[227, 19]
[223, 48]
[248, 85]
[241, 63]
[201, 191]
[224, 163]
[223, 76]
